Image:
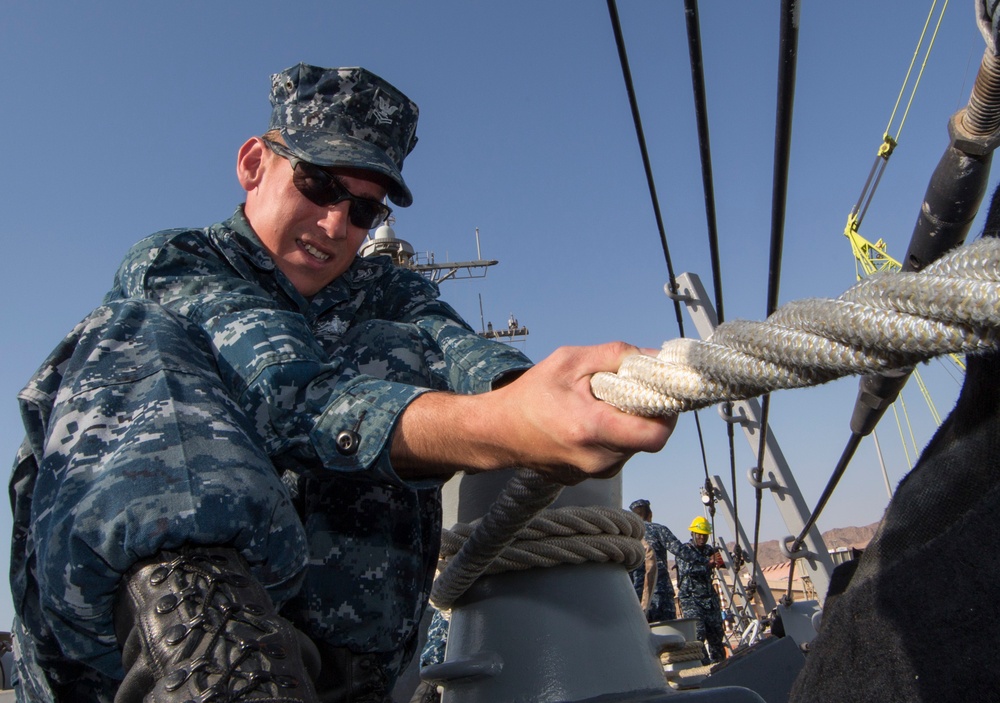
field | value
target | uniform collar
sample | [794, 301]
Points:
[360, 274]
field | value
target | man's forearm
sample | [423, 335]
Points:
[547, 419]
[441, 433]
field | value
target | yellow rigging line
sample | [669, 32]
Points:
[902, 437]
[923, 65]
[927, 398]
[871, 258]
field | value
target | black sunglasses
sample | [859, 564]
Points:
[322, 188]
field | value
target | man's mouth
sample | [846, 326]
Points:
[314, 252]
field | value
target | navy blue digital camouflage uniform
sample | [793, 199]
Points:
[437, 639]
[698, 597]
[201, 404]
[661, 602]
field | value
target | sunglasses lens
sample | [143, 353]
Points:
[317, 185]
[322, 189]
[367, 214]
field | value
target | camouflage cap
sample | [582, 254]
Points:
[345, 117]
[640, 503]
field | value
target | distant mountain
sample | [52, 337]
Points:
[859, 537]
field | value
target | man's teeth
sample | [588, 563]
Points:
[315, 252]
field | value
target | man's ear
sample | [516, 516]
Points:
[250, 163]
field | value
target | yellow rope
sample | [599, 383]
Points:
[923, 65]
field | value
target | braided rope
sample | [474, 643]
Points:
[887, 321]
[524, 496]
[692, 651]
[570, 535]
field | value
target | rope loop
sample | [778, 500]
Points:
[568, 535]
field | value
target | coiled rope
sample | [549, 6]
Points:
[888, 321]
[692, 651]
[571, 535]
[524, 496]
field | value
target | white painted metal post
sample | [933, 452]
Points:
[777, 476]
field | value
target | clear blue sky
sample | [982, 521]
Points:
[124, 118]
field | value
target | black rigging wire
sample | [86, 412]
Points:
[633, 103]
[786, 94]
[708, 185]
[704, 144]
[787, 56]
[831, 485]
[782, 143]
[630, 88]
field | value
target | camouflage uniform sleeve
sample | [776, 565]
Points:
[295, 393]
[437, 639]
[300, 396]
[474, 364]
[669, 539]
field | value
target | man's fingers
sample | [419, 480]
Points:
[647, 434]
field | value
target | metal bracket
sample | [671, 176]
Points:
[800, 553]
[679, 297]
[754, 476]
[739, 417]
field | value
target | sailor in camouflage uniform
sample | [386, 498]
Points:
[230, 480]
[696, 561]
[661, 599]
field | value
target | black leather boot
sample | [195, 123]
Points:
[194, 625]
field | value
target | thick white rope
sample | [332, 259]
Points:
[888, 321]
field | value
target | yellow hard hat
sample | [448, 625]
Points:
[701, 526]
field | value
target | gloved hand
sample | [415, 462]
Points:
[715, 561]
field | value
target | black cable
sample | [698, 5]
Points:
[630, 88]
[708, 185]
[788, 53]
[759, 475]
[704, 144]
[782, 144]
[633, 103]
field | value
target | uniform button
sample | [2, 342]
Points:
[348, 442]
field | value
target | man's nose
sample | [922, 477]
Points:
[337, 220]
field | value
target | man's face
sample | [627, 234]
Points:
[311, 244]
[698, 538]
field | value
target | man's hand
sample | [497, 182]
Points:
[547, 419]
